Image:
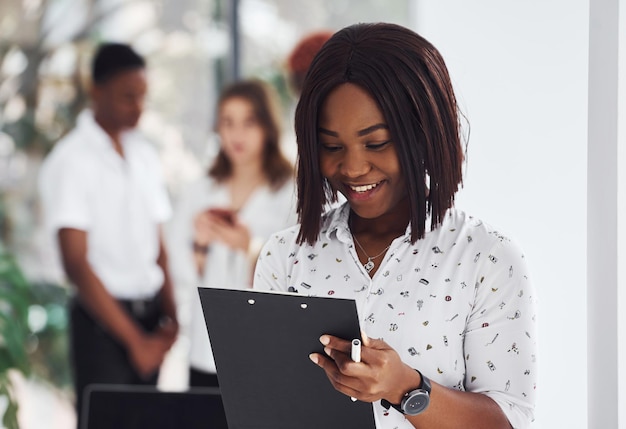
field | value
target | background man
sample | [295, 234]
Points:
[104, 200]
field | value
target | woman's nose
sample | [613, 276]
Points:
[354, 164]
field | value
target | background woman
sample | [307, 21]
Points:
[222, 220]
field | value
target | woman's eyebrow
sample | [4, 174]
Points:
[371, 129]
[360, 133]
[328, 132]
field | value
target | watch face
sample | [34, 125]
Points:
[416, 402]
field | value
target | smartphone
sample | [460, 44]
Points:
[226, 214]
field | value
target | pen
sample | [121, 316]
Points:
[356, 350]
[355, 354]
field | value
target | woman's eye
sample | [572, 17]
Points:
[377, 146]
[330, 147]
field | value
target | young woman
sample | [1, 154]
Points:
[222, 221]
[446, 306]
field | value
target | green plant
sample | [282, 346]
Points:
[15, 297]
[33, 333]
[48, 340]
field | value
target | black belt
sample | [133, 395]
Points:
[142, 307]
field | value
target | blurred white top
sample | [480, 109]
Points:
[264, 213]
[120, 202]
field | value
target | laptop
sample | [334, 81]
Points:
[138, 407]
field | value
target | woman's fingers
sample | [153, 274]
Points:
[378, 373]
[341, 381]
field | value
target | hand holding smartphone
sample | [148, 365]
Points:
[226, 215]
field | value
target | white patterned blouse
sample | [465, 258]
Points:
[458, 304]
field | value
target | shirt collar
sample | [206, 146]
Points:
[87, 124]
[337, 222]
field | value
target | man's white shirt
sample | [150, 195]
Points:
[120, 202]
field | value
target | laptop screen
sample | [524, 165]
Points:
[134, 407]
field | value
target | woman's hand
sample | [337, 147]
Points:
[380, 374]
[223, 226]
[204, 230]
[217, 225]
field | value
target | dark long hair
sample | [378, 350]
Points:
[409, 81]
[275, 165]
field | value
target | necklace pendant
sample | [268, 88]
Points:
[369, 265]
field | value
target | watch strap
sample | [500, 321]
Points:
[424, 385]
[386, 404]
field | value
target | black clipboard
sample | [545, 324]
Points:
[261, 343]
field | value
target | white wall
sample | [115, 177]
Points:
[620, 147]
[607, 214]
[602, 270]
[520, 71]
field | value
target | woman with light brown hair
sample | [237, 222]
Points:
[223, 219]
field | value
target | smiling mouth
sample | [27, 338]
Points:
[364, 188]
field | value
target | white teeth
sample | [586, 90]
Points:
[363, 188]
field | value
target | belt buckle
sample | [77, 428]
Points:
[138, 307]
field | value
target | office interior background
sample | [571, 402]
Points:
[537, 81]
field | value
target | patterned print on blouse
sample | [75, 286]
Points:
[457, 305]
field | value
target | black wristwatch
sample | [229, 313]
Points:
[414, 402]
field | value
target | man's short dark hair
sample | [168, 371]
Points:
[113, 58]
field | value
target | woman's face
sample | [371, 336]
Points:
[242, 136]
[357, 155]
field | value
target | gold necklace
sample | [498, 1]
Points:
[369, 265]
